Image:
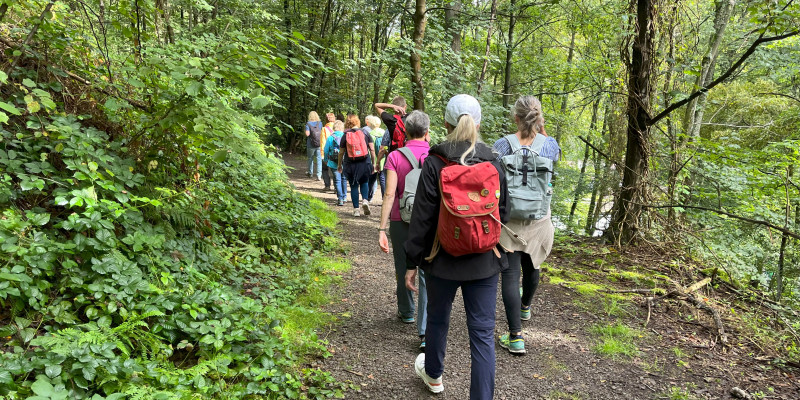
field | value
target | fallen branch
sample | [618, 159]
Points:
[655, 290]
[714, 314]
[695, 287]
[355, 373]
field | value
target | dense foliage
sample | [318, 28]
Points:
[150, 244]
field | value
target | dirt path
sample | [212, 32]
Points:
[374, 350]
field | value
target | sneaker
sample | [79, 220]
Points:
[319, 178]
[515, 344]
[365, 207]
[434, 385]
[525, 313]
[422, 344]
[356, 212]
[406, 320]
[327, 188]
[340, 202]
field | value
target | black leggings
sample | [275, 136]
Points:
[530, 279]
[510, 287]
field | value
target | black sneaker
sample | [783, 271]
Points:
[422, 343]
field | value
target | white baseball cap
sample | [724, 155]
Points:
[459, 105]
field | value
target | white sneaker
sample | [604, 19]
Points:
[365, 207]
[356, 212]
[434, 385]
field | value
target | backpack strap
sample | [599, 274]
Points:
[410, 157]
[538, 143]
[513, 141]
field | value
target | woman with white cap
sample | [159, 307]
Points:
[476, 273]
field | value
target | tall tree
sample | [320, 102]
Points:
[416, 58]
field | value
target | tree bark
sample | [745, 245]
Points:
[489, 33]
[291, 144]
[416, 58]
[512, 20]
[627, 213]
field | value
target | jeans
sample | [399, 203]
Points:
[326, 174]
[356, 187]
[314, 155]
[398, 232]
[374, 179]
[340, 184]
[510, 289]
[479, 305]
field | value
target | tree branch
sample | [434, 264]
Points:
[599, 151]
[745, 219]
[750, 50]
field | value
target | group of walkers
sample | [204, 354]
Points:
[459, 214]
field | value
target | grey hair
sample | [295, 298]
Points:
[529, 111]
[417, 124]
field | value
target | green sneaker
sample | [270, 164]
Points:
[515, 344]
[525, 313]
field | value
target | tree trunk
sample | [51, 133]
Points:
[489, 32]
[628, 205]
[565, 98]
[453, 29]
[579, 186]
[416, 59]
[291, 144]
[509, 53]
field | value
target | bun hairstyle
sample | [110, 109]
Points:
[529, 111]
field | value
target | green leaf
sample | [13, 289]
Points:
[3, 77]
[10, 108]
[259, 102]
[281, 62]
[220, 155]
[3, 117]
[298, 35]
[39, 219]
[194, 88]
[29, 83]
[42, 388]
[52, 371]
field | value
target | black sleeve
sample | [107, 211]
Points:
[503, 202]
[425, 217]
[388, 118]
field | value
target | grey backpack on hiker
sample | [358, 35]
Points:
[410, 189]
[528, 175]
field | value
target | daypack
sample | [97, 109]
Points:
[398, 134]
[411, 183]
[357, 149]
[332, 153]
[469, 216]
[314, 130]
[528, 176]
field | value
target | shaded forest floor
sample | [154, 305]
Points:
[587, 338]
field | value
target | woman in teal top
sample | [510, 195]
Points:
[332, 156]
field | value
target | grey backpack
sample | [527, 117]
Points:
[528, 176]
[410, 189]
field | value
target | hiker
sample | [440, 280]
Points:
[375, 130]
[398, 166]
[398, 107]
[332, 151]
[435, 241]
[313, 131]
[327, 131]
[530, 220]
[355, 160]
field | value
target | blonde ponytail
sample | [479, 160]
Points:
[465, 131]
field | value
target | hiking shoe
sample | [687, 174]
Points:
[422, 344]
[356, 212]
[340, 202]
[434, 385]
[327, 188]
[514, 344]
[406, 320]
[525, 313]
[365, 207]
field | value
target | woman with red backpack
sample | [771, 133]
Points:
[356, 156]
[453, 236]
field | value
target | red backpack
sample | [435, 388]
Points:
[469, 217]
[398, 134]
[357, 149]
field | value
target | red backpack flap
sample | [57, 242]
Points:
[469, 219]
[357, 149]
[398, 134]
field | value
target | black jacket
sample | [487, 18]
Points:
[424, 219]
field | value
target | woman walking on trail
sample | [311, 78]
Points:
[313, 131]
[531, 141]
[355, 160]
[331, 152]
[327, 131]
[398, 165]
[475, 273]
[375, 130]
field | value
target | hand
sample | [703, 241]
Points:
[339, 169]
[375, 169]
[399, 109]
[383, 241]
[411, 277]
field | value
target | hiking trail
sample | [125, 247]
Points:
[673, 359]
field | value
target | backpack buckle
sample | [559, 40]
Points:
[457, 232]
[485, 224]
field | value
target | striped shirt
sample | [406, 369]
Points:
[551, 149]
